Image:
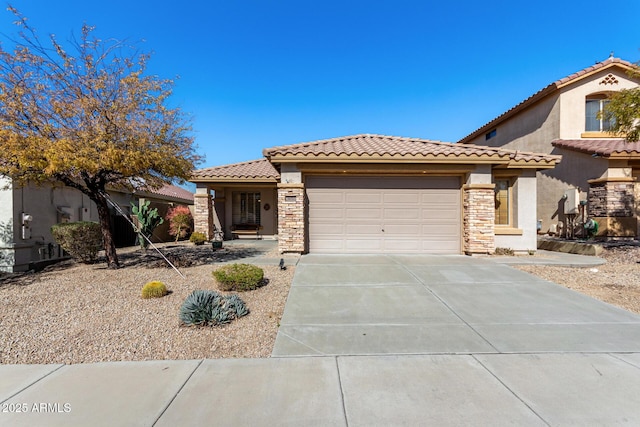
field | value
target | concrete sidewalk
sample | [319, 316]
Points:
[394, 340]
[438, 390]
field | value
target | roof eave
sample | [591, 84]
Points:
[538, 165]
[595, 71]
[234, 179]
[164, 197]
[312, 158]
[621, 156]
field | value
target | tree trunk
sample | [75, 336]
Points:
[105, 224]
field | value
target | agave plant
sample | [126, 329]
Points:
[206, 307]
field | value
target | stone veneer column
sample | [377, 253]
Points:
[479, 219]
[291, 221]
[612, 204]
[203, 212]
[611, 198]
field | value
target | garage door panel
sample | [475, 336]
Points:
[362, 229]
[329, 197]
[327, 229]
[443, 215]
[366, 197]
[412, 198]
[362, 213]
[439, 229]
[401, 229]
[440, 198]
[417, 214]
[410, 213]
[328, 214]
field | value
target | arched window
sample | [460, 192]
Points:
[595, 119]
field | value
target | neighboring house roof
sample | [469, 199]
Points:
[371, 148]
[558, 84]
[168, 192]
[611, 148]
[255, 170]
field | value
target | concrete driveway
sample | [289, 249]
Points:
[376, 341]
[404, 304]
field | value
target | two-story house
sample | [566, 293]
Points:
[597, 177]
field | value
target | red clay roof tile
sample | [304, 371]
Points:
[254, 169]
[368, 145]
[600, 147]
[174, 192]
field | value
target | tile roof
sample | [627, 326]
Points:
[601, 147]
[174, 191]
[609, 62]
[367, 146]
[167, 192]
[255, 169]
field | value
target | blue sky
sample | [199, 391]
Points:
[256, 74]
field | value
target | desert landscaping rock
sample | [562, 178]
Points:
[617, 282]
[78, 313]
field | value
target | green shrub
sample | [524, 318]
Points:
[82, 240]
[197, 238]
[205, 307]
[154, 289]
[239, 277]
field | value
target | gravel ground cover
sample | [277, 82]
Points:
[78, 313]
[617, 282]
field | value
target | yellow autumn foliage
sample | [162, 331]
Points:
[88, 116]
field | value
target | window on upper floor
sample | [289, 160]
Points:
[595, 120]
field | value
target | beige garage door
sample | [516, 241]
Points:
[389, 215]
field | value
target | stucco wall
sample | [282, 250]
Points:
[575, 170]
[572, 100]
[524, 215]
[531, 130]
[44, 204]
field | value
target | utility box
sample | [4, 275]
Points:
[85, 214]
[571, 201]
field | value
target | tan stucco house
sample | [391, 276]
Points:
[598, 175]
[377, 194]
[27, 214]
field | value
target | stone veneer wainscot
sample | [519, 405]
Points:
[479, 219]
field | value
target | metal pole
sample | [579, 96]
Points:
[117, 208]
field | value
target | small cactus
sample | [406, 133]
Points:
[154, 289]
[148, 220]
